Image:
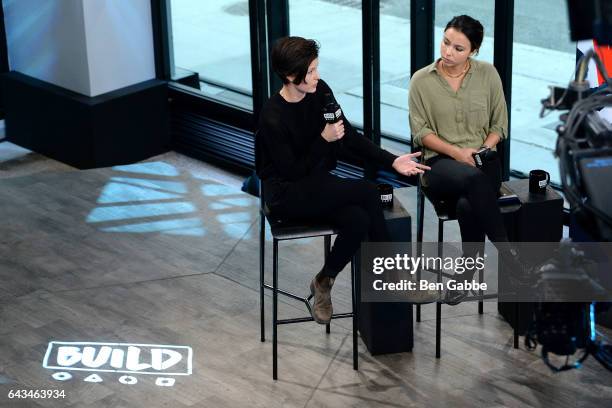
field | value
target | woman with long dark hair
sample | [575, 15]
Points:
[457, 108]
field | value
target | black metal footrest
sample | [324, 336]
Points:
[306, 301]
[482, 297]
[289, 294]
[444, 274]
[471, 299]
[310, 319]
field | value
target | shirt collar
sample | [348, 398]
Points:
[433, 66]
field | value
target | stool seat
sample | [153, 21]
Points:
[287, 231]
[295, 229]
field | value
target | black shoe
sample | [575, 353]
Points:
[454, 297]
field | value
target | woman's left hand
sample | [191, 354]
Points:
[406, 166]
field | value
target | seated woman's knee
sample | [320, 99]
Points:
[355, 219]
[463, 207]
[475, 175]
[369, 193]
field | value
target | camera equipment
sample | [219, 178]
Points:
[590, 19]
[584, 150]
[331, 110]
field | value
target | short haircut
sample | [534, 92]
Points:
[291, 56]
[470, 27]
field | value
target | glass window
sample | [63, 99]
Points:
[543, 55]
[211, 39]
[395, 57]
[395, 50]
[394, 73]
[336, 25]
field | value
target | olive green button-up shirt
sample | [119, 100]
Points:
[464, 118]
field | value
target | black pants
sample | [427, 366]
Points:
[475, 192]
[352, 206]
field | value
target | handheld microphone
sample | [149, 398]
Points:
[483, 155]
[331, 110]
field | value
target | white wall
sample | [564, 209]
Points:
[87, 46]
[119, 38]
[46, 40]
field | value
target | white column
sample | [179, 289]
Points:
[87, 46]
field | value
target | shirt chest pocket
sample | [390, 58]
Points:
[478, 111]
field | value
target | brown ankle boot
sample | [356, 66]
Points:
[322, 306]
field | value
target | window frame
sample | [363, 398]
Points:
[269, 21]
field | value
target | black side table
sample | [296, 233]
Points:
[386, 327]
[539, 218]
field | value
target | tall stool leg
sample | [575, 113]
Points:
[438, 327]
[516, 323]
[355, 314]
[326, 251]
[418, 279]
[420, 226]
[262, 252]
[480, 302]
[274, 309]
[439, 280]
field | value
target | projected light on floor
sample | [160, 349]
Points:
[98, 362]
[155, 197]
[215, 190]
[152, 168]
[236, 224]
[124, 212]
[123, 192]
[225, 203]
[171, 186]
[186, 226]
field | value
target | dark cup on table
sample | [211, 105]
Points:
[538, 180]
[385, 191]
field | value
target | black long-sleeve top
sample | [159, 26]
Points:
[290, 145]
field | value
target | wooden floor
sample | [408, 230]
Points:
[166, 253]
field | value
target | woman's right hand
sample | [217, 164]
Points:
[464, 155]
[333, 131]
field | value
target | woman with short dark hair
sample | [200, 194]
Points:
[457, 107]
[298, 151]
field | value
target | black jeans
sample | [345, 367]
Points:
[475, 192]
[353, 206]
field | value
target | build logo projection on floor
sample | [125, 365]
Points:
[123, 362]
